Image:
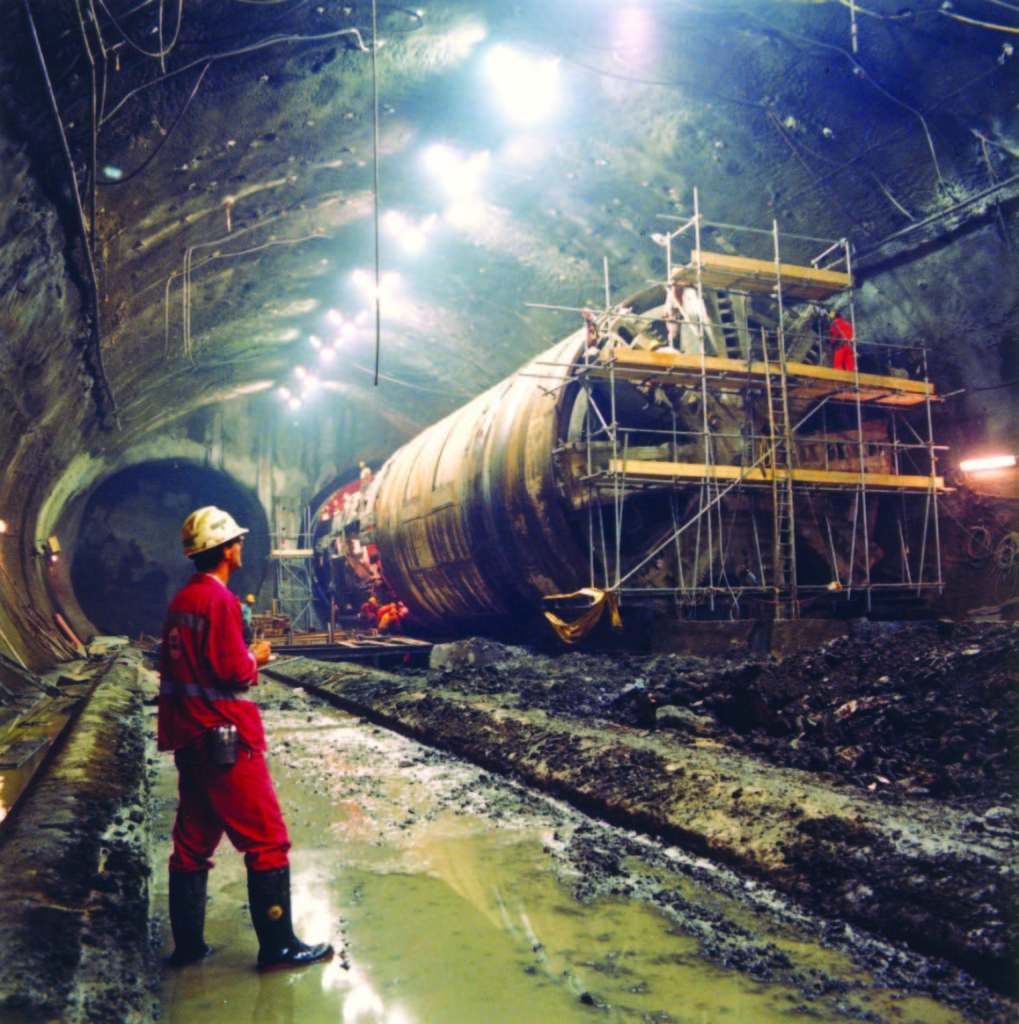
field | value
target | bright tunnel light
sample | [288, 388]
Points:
[389, 284]
[459, 175]
[411, 236]
[526, 87]
[988, 462]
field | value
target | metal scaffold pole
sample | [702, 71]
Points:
[658, 432]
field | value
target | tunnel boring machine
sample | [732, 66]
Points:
[692, 446]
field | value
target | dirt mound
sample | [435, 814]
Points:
[922, 710]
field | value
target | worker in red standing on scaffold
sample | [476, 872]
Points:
[842, 336]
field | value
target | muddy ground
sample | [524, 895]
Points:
[871, 779]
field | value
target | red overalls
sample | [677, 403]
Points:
[204, 668]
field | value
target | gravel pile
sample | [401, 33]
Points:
[922, 710]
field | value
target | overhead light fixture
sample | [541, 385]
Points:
[987, 462]
[526, 87]
[316, 343]
[411, 236]
[3, 525]
[458, 175]
[285, 392]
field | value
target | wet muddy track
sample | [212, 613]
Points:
[518, 908]
[933, 874]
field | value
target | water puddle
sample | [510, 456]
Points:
[463, 899]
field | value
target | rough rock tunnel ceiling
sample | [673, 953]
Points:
[188, 198]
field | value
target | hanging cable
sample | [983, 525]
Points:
[93, 129]
[937, 216]
[99, 373]
[982, 24]
[375, 164]
[163, 51]
[407, 384]
[163, 141]
[254, 47]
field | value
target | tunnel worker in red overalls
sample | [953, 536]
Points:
[218, 743]
[841, 338]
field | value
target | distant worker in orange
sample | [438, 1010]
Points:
[842, 337]
[391, 617]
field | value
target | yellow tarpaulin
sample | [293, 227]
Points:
[574, 632]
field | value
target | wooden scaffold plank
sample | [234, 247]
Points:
[805, 381]
[740, 273]
[647, 471]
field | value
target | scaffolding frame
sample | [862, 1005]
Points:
[292, 556]
[776, 466]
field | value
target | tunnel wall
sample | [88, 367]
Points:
[47, 410]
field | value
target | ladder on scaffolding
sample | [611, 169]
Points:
[781, 461]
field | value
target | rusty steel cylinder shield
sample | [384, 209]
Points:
[470, 523]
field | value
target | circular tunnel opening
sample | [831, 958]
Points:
[127, 561]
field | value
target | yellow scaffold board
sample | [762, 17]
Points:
[646, 471]
[740, 273]
[803, 381]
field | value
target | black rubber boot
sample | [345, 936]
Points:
[187, 917]
[278, 948]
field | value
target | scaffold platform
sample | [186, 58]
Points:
[740, 273]
[803, 381]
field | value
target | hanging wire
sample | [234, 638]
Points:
[163, 141]
[163, 51]
[982, 24]
[375, 166]
[93, 312]
[406, 384]
[253, 48]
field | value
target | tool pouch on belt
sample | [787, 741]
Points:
[223, 742]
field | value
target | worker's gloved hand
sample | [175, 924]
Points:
[261, 649]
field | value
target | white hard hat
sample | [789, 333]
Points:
[208, 528]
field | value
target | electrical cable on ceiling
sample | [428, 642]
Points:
[873, 14]
[407, 384]
[163, 51]
[99, 372]
[883, 142]
[982, 24]
[991, 387]
[860, 70]
[936, 217]
[254, 47]
[672, 84]
[93, 129]
[163, 140]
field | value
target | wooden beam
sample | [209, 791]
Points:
[720, 270]
[804, 381]
[642, 470]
